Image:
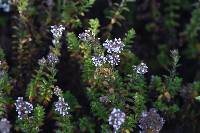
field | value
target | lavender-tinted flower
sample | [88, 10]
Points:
[52, 59]
[23, 108]
[62, 107]
[141, 68]
[5, 126]
[57, 31]
[57, 91]
[42, 61]
[98, 60]
[5, 5]
[55, 41]
[87, 36]
[113, 59]
[50, 3]
[116, 119]
[115, 46]
[186, 92]
[104, 99]
[151, 121]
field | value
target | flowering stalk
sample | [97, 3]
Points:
[62, 118]
[29, 123]
[105, 83]
[116, 119]
[41, 86]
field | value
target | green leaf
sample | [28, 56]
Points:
[197, 98]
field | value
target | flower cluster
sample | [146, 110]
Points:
[57, 31]
[52, 59]
[186, 92]
[104, 99]
[57, 91]
[42, 61]
[5, 126]
[116, 119]
[151, 121]
[23, 108]
[141, 68]
[113, 59]
[50, 3]
[115, 46]
[98, 60]
[5, 5]
[62, 107]
[87, 36]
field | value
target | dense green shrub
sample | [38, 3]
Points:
[70, 66]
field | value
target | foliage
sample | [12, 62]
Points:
[80, 72]
[32, 124]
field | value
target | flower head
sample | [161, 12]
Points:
[186, 92]
[116, 119]
[5, 5]
[151, 121]
[23, 108]
[141, 68]
[55, 41]
[62, 107]
[87, 36]
[50, 3]
[104, 99]
[115, 46]
[52, 59]
[113, 59]
[5, 126]
[98, 60]
[42, 61]
[57, 91]
[57, 31]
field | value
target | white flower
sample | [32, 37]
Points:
[115, 46]
[23, 108]
[98, 60]
[52, 59]
[57, 31]
[113, 59]
[5, 126]
[42, 61]
[87, 36]
[57, 91]
[151, 121]
[104, 99]
[62, 107]
[5, 5]
[116, 119]
[141, 68]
